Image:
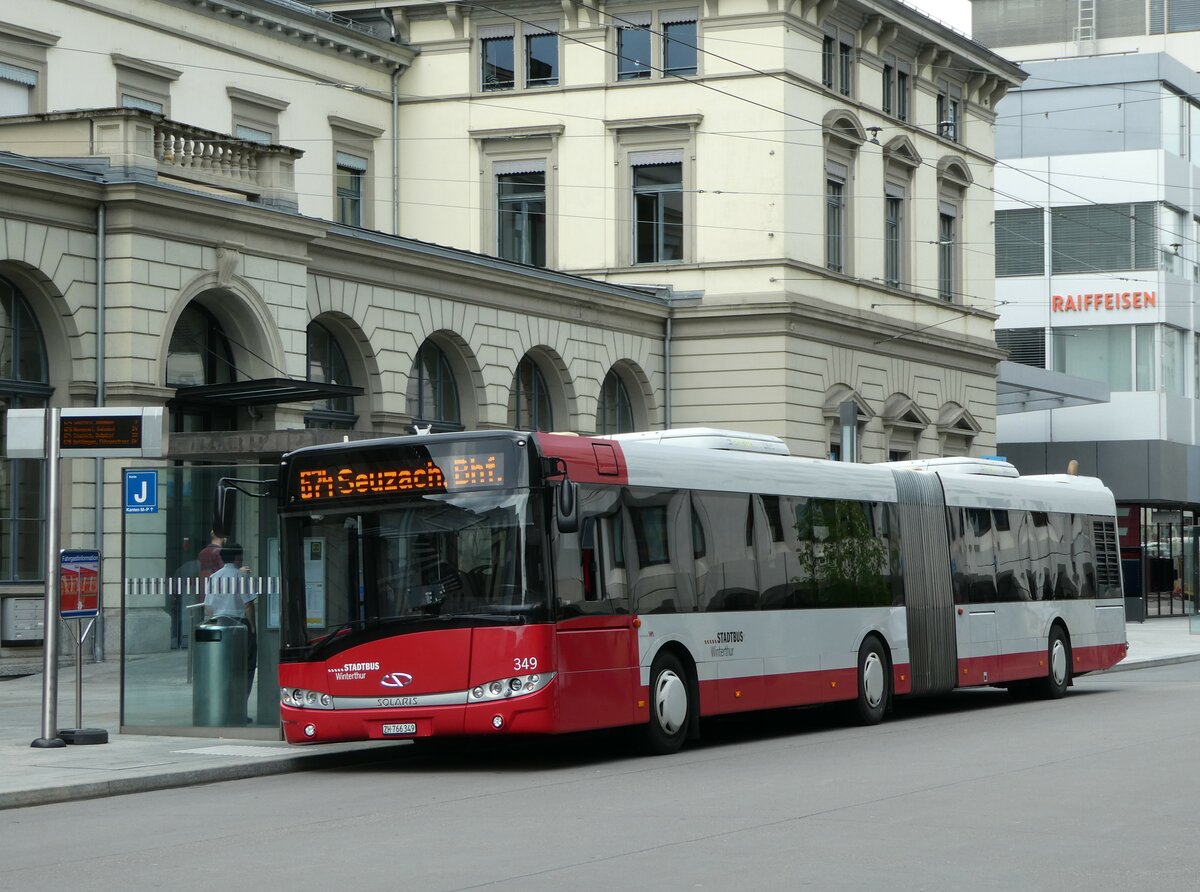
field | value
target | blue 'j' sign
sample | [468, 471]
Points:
[141, 492]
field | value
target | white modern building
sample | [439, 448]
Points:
[1097, 273]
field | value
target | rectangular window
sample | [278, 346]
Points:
[902, 93]
[1145, 359]
[1102, 354]
[16, 89]
[497, 62]
[1024, 345]
[845, 68]
[1020, 242]
[1174, 361]
[541, 56]
[521, 213]
[1173, 225]
[828, 61]
[947, 251]
[893, 236]
[633, 48]
[1103, 238]
[657, 206]
[948, 105]
[835, 220]
[351, 171]
[679, 42]
[889, 89]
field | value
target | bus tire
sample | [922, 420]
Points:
[874, 687]
[1058, 666]
[670, 705]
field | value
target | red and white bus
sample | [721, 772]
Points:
[497, 582]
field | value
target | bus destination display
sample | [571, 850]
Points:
[379, 475]
[100, 432]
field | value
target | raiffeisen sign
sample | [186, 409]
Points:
[1103, 301]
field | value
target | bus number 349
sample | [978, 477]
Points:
[529, 663]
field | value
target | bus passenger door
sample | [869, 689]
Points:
[596, 643]
[977, 627]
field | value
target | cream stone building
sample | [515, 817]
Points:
[289, 222]
[191, 227]
[817, 174]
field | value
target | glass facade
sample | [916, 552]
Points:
[1160, 557]
[172, 679]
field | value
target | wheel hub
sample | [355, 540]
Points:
[670, 702]
[873, 680]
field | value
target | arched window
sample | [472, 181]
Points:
[531, 399]
[198, 354]
[327, 365]
[24, 384]
[432, 392]
[614, 415]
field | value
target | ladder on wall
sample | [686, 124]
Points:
[1085, 28]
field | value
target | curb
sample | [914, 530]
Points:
[194, 777]
[1147, 664]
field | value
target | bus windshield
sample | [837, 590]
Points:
[462, 555]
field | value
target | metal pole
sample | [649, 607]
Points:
[101, 332]
[79, 673]
[50, 738]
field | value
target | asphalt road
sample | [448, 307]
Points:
[972, 791]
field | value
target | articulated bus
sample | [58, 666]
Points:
[497, 583]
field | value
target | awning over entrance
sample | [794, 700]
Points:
[1023, 388]
[261, 392]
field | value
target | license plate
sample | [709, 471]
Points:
[400, 728]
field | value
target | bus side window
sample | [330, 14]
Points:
[727, 579]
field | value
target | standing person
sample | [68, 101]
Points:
[228, 592]
[209, 558]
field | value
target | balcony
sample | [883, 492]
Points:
[145, 146]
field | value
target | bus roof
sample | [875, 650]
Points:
[709, 438]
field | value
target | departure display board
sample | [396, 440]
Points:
[100, 432]
[402, 471]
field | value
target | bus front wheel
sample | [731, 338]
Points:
[670, 705]
[874, 689]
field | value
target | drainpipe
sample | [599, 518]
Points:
[101, 258]
[667, 376]
[396, 149]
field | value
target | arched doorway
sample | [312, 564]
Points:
[24, 384]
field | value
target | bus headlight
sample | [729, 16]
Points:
[502, 689]
[301, 698]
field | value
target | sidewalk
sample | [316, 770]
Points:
[131, 763]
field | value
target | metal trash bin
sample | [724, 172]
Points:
[219, 673]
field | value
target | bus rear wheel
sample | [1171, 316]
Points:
[1058, 666]
[874, 686]
[670, 705]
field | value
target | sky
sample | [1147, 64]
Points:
[955, 13]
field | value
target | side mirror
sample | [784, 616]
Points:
[223, 507]
[566, 503]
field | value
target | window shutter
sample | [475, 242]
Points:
[1020, 242]
[528, 165]
[351, 162]
[666, 156]
[1103, 237]
[1024, 345]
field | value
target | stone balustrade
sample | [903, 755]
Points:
[148, 146]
